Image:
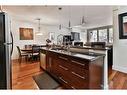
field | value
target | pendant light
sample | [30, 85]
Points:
[69, 23]
[60, 26]
[82, 20]
[39, 33]
[83, 16]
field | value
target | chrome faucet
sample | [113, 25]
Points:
[59, 40]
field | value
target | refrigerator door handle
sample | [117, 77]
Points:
[11, 43]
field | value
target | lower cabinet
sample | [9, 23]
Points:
[75, 73]
[51, 63]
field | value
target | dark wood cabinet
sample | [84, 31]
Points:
[73, 72]
[48, 62]
[51, 61]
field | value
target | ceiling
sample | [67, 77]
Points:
[50, 15]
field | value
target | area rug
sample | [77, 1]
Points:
[45, 81]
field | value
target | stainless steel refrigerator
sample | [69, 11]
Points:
[6, 48]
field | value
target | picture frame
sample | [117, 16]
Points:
[122, 26]
[26, 33]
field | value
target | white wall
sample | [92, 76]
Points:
[120, 45]
[15, 24]
[100, 22]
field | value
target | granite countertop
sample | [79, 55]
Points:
[90, 56]
[89, 47]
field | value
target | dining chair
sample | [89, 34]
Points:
[22, 55]
[28, 46]
[35, 52]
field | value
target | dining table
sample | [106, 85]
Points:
[27, 50]
[30, 51]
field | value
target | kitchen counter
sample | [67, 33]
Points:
[85, 55]
[89, 47]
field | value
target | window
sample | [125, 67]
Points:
[100, 34]
[103, 35]
[110, 35]
[93, 36]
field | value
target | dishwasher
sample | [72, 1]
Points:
[43, 60]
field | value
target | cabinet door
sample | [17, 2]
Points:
[48, 63]
[54, 67]
[52, 62]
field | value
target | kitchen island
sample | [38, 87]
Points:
[75, 70]
[108, 59]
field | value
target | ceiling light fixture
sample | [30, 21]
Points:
[83, 16]
[69, 23]
[39, 33]
[60, 26]
[82, 20]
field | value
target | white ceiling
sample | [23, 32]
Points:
[50, 15]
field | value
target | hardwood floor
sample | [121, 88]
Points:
[117, 80]
[22, 76]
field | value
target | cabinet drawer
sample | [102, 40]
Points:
[63, 71]
[63, 61]
[77, 66]
[63, 57]
[75, 62]
[65, 83]
[77, 81]
[78, 70]
[72, 79]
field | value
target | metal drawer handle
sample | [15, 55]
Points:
[77, 62]
[73, 87]
[78, 75]
[62, 58]
[63, 80]
[63, 67]
[102, 86]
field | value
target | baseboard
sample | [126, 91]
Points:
[120, 68]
